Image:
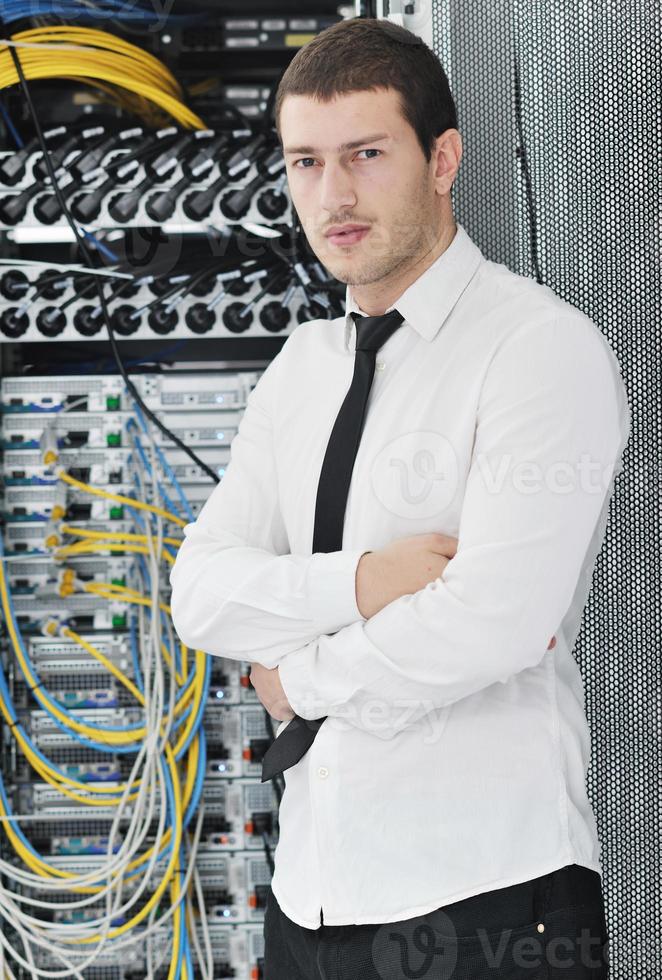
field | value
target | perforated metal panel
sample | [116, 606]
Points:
[559, 112]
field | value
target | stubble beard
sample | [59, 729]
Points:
[410, 236]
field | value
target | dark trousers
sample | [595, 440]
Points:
[549, 928]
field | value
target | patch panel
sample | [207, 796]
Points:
[238, 739]
[247, 33]
[243, 878]
[73, 757]
[37, 503]
[40, 502]
[180, 389]
[73, 692]
[243, 809]
[213, 178]
[42, 800]
[42, 536]
[106, 966]
[37, 572]
[73, 429]
[52, 656]
[45, 731]
[82, 845]
[247, 316]
[111, 467]
[241, 307]
[237, 951]
[82, 612]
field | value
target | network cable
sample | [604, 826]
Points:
[99, 58]
[118, 867]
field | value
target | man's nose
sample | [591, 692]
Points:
[336, 189]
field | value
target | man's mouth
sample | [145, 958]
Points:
[349, 237]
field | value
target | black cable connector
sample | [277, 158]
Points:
[91, 259]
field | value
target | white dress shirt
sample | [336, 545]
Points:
[454, 755]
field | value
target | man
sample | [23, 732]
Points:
[436, 821]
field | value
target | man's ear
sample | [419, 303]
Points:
[446, 157]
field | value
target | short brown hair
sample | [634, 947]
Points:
[364, 53]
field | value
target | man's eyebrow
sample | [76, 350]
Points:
[352, 145]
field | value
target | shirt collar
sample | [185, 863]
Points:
[427, 302]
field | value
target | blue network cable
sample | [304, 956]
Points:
[176, 655]
[10, 126]
[184, 945]
[133, 640]
[166, 466]
[198, 720]
[196, 795]
[188, 957]
[13, 10]
[99, 245]
[141, 452]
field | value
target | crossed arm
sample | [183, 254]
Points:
[551, 426]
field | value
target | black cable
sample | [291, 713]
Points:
[150, 148]
[194, 279]
[117, 288]
[267, 852]
[40, 285]
[526, 173]
[92, 262]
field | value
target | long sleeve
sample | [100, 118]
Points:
[552, 422]
[236, 590]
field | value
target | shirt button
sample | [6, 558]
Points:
[322, 772]
[380, 365]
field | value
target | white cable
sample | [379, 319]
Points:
[41, 46]
[107, 272]
[208, 959]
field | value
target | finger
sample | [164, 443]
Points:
[443, 544]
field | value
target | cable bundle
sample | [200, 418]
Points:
[99, 59]
[143, 887]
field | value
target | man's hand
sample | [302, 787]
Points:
[270, 691]
[402, 568]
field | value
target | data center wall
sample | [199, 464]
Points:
[559, 112]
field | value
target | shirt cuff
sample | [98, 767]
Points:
[295, 679]
[332, 589]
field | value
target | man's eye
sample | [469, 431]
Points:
[307, 159]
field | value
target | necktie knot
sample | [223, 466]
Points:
[373, 331]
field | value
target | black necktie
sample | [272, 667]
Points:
[371, 333]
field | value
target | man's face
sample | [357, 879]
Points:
[383, 183]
